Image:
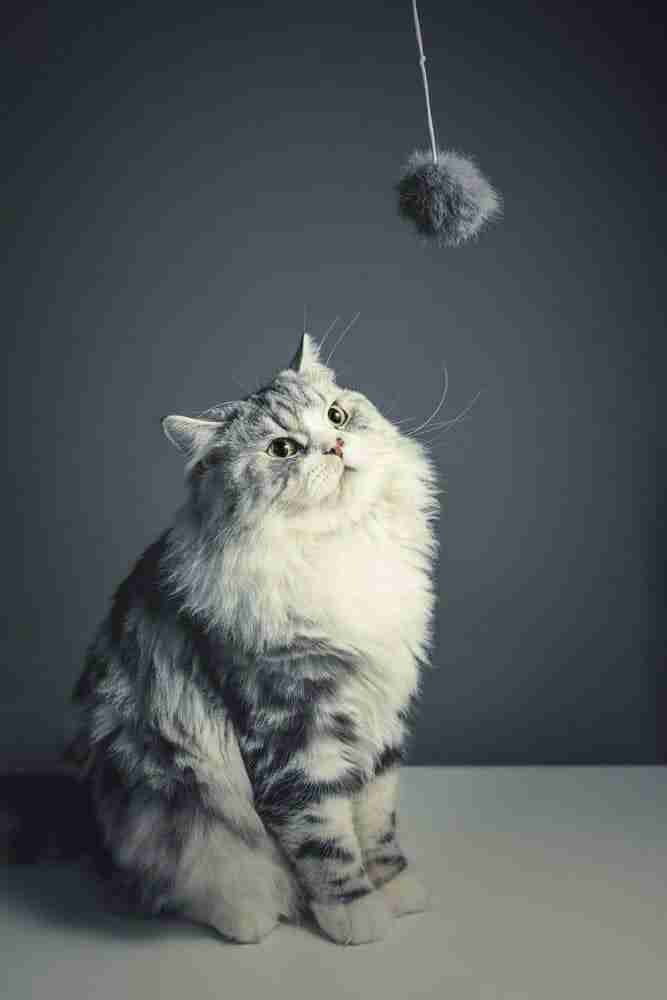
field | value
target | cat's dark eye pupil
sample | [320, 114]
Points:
[283, 447]
[336, 415]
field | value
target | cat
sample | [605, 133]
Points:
[244, 706]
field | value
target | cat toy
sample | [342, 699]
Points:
[443, 192]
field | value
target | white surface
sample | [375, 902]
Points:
[548, 883]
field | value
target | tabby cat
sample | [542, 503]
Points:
[244, 706]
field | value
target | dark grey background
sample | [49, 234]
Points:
[183, 178]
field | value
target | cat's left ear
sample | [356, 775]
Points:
[307, 362]
[189, 434]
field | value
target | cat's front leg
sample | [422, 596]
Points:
[320, 839]
[375, 823]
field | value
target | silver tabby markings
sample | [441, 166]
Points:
[244, 706]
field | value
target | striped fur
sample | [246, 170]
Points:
[244, 705]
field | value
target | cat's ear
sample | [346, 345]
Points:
[307, 355]
[307, 362]
[189, 434]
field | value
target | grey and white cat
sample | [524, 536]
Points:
[244, 705]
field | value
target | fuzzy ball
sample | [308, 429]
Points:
[449, 200]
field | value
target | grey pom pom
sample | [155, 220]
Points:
[449, 200]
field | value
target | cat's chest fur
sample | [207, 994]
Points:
[369, 586]
[365, 592]
[376, 598]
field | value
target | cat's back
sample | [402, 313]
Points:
[138, 668]
[116, 646]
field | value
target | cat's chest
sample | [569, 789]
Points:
[372, 593]
[369, 586]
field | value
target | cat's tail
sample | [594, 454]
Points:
[46, 817]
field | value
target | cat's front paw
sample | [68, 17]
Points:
[243, 926]
[357, 922]
[405, 894]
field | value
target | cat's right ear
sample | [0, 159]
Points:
[189, 434]
[307, 362]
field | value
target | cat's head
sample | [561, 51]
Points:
[301, 449]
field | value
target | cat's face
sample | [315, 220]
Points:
[300, 448]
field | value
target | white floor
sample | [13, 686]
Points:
[547, 883]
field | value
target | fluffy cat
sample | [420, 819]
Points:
[244, 705]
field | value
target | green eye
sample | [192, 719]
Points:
[283, 448]
[337, 415]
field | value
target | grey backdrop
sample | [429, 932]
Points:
[183, 179]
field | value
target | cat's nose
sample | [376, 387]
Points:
[337, 448]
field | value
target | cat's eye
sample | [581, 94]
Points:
[337, 415]
[283, 448]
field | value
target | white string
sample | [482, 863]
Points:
[422, 63]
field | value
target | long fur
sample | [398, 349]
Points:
[244, 705]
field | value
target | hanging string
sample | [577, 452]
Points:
[422, 63]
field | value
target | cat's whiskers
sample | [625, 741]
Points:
[415, 430]
[444, 425]
[342, 336]
[328, 331]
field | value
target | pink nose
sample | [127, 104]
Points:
[337, 449]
